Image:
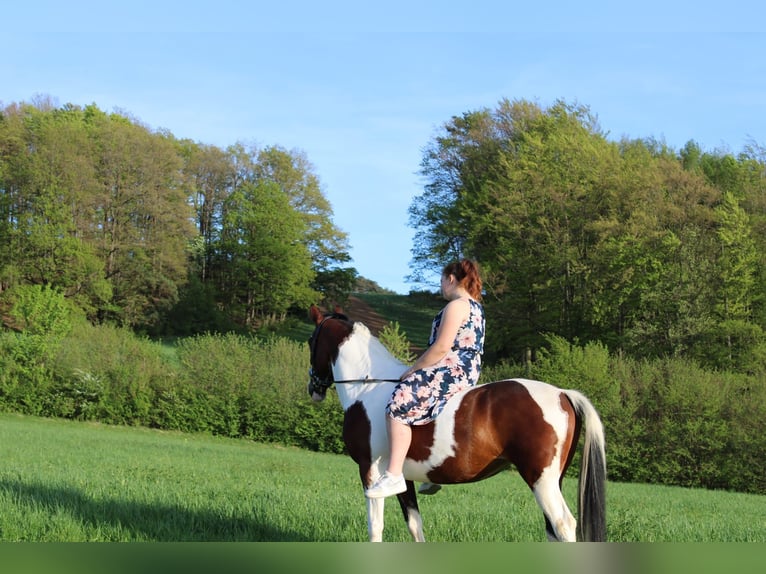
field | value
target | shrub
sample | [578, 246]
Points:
[108, 374]
[44, 318]
[396, 342]
[256, 388]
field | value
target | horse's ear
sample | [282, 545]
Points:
[338, 309]
[315, 314]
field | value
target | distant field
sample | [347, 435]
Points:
[413, 313]
[70, 481]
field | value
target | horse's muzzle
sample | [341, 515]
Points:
[317, 388]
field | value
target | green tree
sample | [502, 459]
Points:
[518, 188]
[262, 260]
[141, 221]
[578, 236]
[455, 164]
[328, 245]
[733, 341]
[45, 183]
[209, 174]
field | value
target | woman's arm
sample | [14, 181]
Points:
[455, 314]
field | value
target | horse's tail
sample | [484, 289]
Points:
[591, 502]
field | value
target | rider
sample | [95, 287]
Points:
[451, 363]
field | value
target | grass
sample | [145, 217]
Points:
[71, 481]
[414, 313]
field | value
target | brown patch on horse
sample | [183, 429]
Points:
[526, 440]
[356, 436]
[422, 440]
[324, 350]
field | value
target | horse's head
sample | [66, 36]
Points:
[330, 331]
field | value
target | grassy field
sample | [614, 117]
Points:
[414, 313]
[70, 481]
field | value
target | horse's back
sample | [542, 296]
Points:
[515, 403]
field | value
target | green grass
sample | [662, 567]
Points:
[70, 481]
[414, 313]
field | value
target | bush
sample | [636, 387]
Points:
[666, 421]
[257, 389]
[44, 318]
[108, 374]
[396, 342]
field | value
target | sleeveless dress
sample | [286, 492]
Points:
[419, 398]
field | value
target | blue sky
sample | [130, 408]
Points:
[361, 88]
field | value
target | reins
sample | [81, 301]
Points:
[363, 381]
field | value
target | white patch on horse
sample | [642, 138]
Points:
[444, 443]
[549, 399]
[360, 357]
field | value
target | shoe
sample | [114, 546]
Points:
[386, 485]
[429, 488]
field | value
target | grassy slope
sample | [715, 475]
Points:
[413, 313]
[70, 481]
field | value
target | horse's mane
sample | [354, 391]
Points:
[373, 357]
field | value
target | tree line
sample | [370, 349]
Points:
[139, 228]
[654, 252]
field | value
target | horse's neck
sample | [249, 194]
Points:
[362, 356]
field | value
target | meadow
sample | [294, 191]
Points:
[71, 481]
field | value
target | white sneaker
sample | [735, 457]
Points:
[387, 485]
[429, 488]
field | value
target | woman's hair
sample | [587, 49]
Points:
[466, 272]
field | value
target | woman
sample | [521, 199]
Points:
[451, 363]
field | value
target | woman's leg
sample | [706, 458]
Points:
[392, 481]
[400, 437]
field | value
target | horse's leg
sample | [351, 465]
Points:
[375, 508]
[369, 473]
[409, 504]
[560, 524]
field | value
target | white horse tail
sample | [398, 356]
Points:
[591, 502]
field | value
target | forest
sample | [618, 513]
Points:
[652, 251]
[166, 236]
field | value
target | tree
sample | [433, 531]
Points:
[261, 258]
[327, 244]
[141, 221]
[209, 176]
[452, 166]
[589, 239]
[517, 188]
[104, 209]
[45, 183]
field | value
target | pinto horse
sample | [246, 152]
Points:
[482, 431]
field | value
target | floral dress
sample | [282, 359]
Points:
[419, 398]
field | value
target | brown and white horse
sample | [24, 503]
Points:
[481, 432]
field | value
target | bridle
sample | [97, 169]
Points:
[318, 384]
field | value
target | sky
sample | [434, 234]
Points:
[361, 88]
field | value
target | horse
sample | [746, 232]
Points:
[482, 431]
